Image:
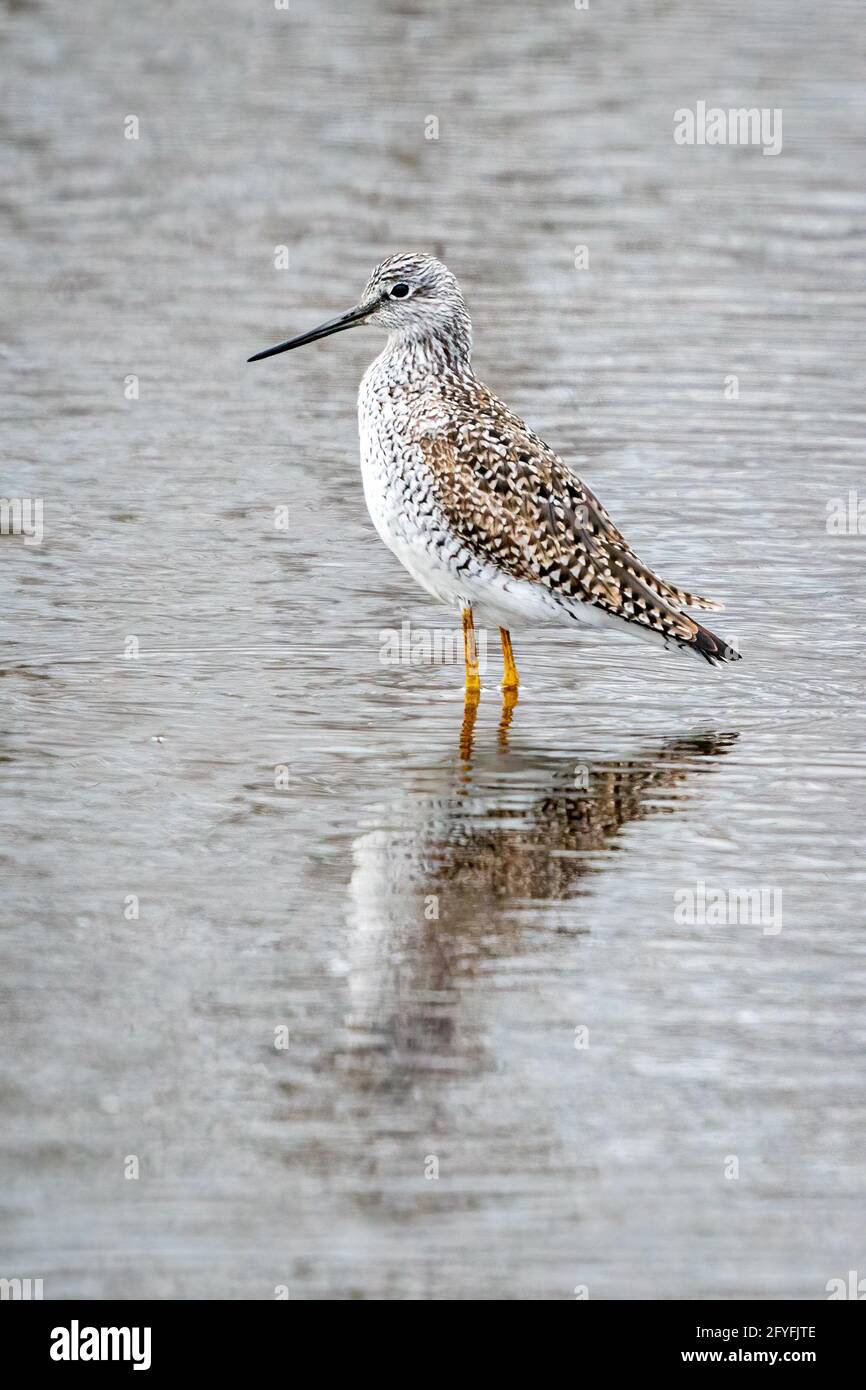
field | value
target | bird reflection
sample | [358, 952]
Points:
[448, 886]
[470, 714]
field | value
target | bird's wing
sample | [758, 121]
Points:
[672, 592]
[514, 502]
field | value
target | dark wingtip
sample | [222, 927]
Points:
[713, 649]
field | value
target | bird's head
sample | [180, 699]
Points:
[412, 295]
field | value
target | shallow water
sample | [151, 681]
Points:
[431, 921]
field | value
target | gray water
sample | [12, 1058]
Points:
[703, 1133]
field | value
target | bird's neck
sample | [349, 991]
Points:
[408, 357]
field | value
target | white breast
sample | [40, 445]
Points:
[402, 502]
[398, 491]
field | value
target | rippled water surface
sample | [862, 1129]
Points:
[475, 941]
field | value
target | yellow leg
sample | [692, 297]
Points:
[470, 656]
[472, 693]
[509, 678]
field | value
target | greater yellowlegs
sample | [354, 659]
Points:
[482, 513]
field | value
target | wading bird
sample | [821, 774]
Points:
[482, 513]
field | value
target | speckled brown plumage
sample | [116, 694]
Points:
[511, 499]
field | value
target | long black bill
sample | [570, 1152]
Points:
[323, 331]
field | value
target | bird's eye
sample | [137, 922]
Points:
[399, 291]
